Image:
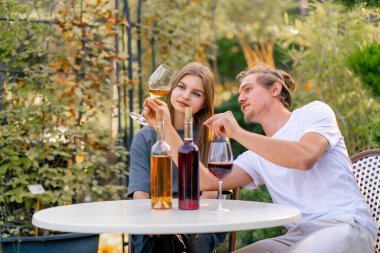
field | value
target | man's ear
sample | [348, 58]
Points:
[276, 89]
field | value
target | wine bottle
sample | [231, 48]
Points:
[161, 169]
[188, 168]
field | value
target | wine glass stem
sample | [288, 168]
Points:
[220, 194]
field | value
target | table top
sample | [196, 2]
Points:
[137, 217]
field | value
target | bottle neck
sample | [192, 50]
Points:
[160, 131]
[188, 131]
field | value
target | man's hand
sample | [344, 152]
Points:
[223, 124]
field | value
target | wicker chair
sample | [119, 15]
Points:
[231, 236]
[366, 169]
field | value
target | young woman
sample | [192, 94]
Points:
[192, 86]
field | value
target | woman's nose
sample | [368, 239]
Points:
[186, 94]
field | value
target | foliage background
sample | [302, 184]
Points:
[321, 66]
[366, 63]
[65, 73]
[56, 84]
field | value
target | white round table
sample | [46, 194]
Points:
[137, 217]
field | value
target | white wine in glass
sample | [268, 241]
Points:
[158, 86]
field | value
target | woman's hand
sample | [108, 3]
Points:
[152, 105]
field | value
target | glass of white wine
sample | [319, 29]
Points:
[158, 86]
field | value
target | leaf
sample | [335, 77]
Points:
[298, 24]
[286, 18]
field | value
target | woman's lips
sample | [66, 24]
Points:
[182, 104]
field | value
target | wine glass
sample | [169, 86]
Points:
[220, 160]
[158, 86]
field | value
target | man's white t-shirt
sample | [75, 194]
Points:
[328, 189]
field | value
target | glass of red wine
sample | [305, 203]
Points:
[220, 160]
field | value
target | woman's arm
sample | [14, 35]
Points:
[141, 195]
[139, 176]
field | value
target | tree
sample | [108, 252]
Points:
[254, 24]
[182, 31]
[57, 82]
[319, 46]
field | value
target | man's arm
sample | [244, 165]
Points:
[301, 154]
[237, 178]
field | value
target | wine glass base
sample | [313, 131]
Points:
[139, 118]
[220, 210]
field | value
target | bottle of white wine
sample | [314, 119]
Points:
[161, 169]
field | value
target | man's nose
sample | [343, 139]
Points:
[241, 99]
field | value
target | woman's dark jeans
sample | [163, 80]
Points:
[191, 243]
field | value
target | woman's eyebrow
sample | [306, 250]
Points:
[181, 82]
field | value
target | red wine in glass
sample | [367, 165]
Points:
[220, 170]
[220, 160]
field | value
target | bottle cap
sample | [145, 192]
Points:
[188, 114]
[159, 115]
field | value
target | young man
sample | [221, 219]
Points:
[302, 160]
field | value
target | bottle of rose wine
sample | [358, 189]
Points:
[161, 169]
[188, 168]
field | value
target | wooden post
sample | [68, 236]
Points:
[38, 205]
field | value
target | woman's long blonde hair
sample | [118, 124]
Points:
[204, 134]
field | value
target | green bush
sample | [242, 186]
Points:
[50, 121]
[230, 59]
[366, 64]
[376, 133]
[355, 3]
